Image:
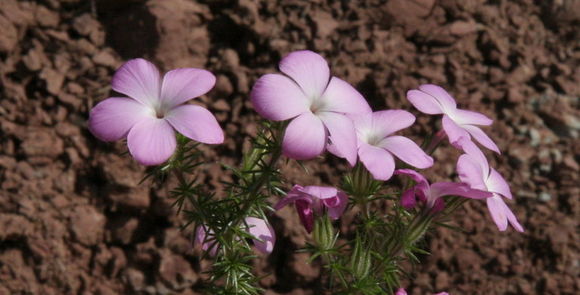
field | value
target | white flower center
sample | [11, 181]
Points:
[317, 105]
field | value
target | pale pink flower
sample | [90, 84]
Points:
[431, 195]
[312, 200]
[402, 291]
[316, 103]
[474, 170]
[264, 234]
[154, 108]
[433, 100]
[377, 145]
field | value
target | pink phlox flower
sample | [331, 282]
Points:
[474, 170]
[457, 123]
[431, 195]
[312, 200]
[316, 103]
[377, 145]
[264, 234]
[154, 108]
[402, 291]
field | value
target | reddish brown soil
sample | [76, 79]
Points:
[74, 220]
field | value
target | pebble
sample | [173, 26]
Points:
[544, 197]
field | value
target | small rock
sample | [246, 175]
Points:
[46, 17]
[534, 137]
[221, 105]
[175, 271]
[223, 86]
[106, 58]
[123, 229]
[8, 35]
[53, 79]
[36, 141]
[14, 226]
[544, 197]
[231, 58]
[87, 225]
[461, 28]
[325, 23]
[134, 278]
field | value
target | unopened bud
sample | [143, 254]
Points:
[323, 233]
[360, 261]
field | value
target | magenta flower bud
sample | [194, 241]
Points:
[310, 201]
[430, 194]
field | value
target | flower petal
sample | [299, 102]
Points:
[336, 205]
[424, 102]
[277, 97]
[151, 141]
[342, 135]
[305, 137]
[401, 291]
[497, 184]
[112, 118]
[441, 96]
[469, 117]
[470, 172]
[309, 70]
[407, 150]
[440, 189]
[320, 192]
[181, 85]
[454, 132]
[266, 236]
[390, 121]
[481, 137]
[408, 200]
[206, 244]
[416, 176]
[512, 219]
[138, 79]
[293, 195]
[477, 155]
[341, 97]
[496, 207]
[379, 162]
[306, 214]
[196, 123]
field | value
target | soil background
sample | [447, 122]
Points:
[74, 219]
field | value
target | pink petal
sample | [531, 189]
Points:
[497, 184]
[341, 97]
[151, 141]
[408, 200]
[441, 96]
[379, 162]
[481, 137]
[390, 121]
[496, 208]
[463, 117]
[477, 155]
[138, 79]
[306, 214]
[342, 135]
[470, 172]
[112, 118]
[408, 151]
[277, 97]
[336, 205]
[200, 238]
[266, 236]
[293, 195]
[320, 192]
[424, 102]
[512, 219]
[454, 132]
[196, 123]
[401, 291]
[181, 85]
[440, 189]
[416, 176]
[308, 69]
[305, 137]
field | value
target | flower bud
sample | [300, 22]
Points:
[360, 261]
[323, 233]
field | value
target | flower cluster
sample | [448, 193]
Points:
[324, 113]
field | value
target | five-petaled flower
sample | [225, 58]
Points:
[376, 145]
[315, 101]
[431, 195]
[264, 235]
[311, 200]
[474, 170]
[457, 123]
[154, 108]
